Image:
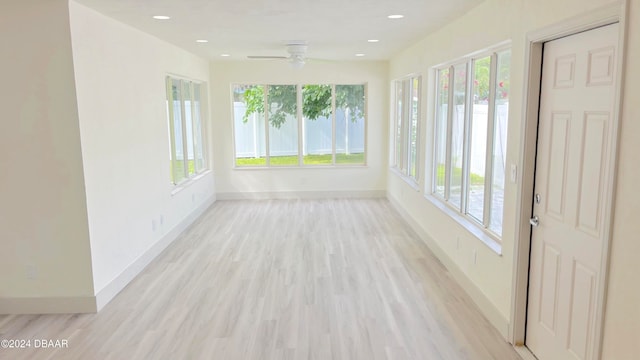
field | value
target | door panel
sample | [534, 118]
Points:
[556, 165]
[574, 137]
[600, 67]
[595, 133]
[582, 301]
[549, 287]
[564, 71]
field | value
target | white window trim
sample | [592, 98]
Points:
[479, 230]
[484, 235]
[500, 47]
[403, 169]
[198, 172]
[187, 183]
[415, 185]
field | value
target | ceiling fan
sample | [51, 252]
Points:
[296, 58]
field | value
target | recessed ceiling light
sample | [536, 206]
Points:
[359, 55]
[225, 55]
[395, 16]
[202, 41]
[161, 17]
[373, 40]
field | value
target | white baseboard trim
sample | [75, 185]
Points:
[104, 296]
[525, 353]
[48, 305]
[273, 195]
[487, 308]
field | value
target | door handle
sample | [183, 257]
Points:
[534, 221]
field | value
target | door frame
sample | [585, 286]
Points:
[615, 13]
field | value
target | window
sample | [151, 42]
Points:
[282, 104]
[317, 125]
[350, 124]
[305, 125]
[472, 106]
[407, 121]
[184, 111]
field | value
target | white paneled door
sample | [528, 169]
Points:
[575, 140]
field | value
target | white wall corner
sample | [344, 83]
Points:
[486, 307]
[105, 295]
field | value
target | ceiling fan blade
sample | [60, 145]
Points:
[317, 60]
[268, 57]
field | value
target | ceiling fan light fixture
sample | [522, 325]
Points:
[297, 62]
[297, 49]
[297, 55]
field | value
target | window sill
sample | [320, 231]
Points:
[409, 180]
[188, 182]
[478, 232]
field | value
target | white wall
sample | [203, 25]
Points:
[43, 221]
[120, 76]
[622, 321]
[365, 181]
[490, 279]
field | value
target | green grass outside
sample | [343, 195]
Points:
[457, 176]
[307, 160]
[350, 158]
[180, 168]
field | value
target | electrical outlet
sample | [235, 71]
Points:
[31, 271]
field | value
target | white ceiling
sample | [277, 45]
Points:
[334, 29]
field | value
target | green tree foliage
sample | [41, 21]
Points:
[282, 101]
[253, 97]
[481, 81]
[351, 97]
[316, 101]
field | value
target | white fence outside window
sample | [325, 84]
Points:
[250, 137]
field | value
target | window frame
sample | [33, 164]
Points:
[403, 128]
[442, 200]
[300, 126]
[191, 83]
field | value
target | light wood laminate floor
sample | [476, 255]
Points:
[280, 279]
